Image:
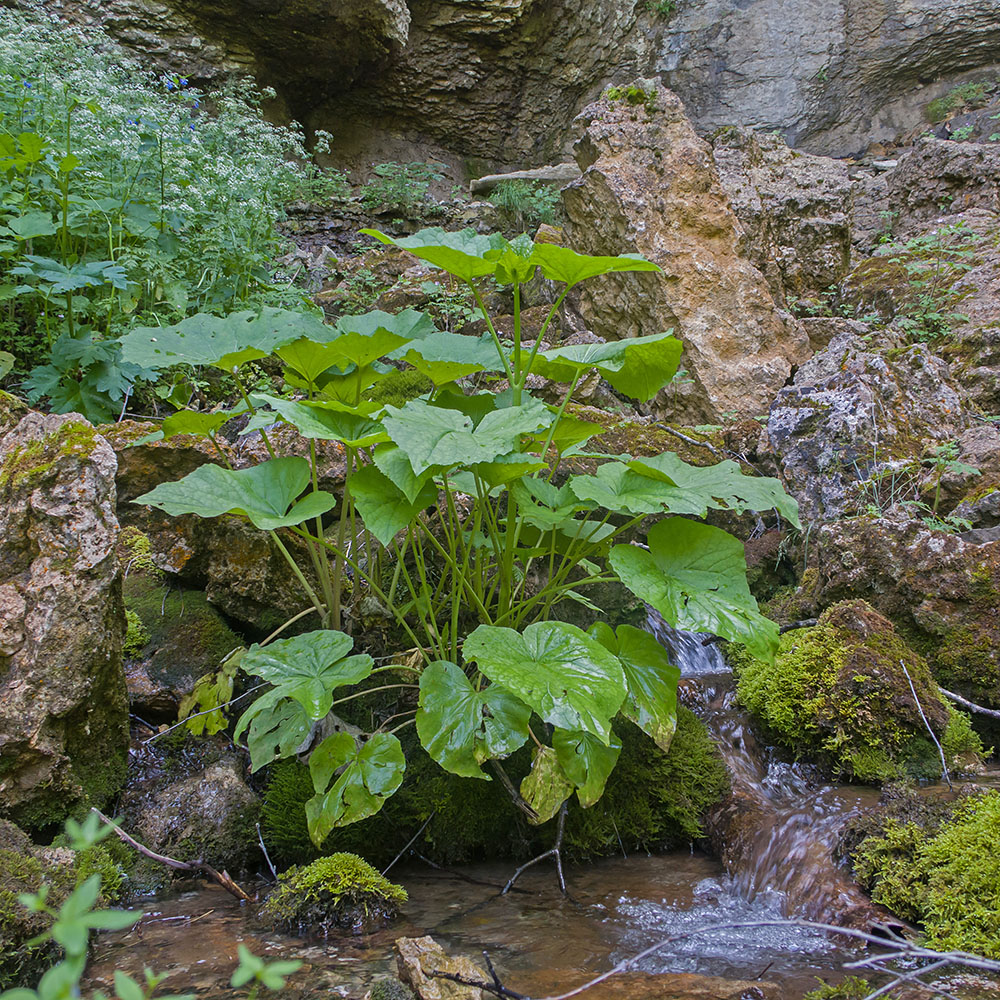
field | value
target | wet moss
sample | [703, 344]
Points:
[399, 387]
[390, 989]
[937, 864]
[852, 988]
[337, 891]
[837, 694]
[652, 800]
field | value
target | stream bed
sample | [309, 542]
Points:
[538, 940]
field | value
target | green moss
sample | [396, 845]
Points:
[136, 634]
[652, 800]
[340, 890]
[966, 95]
[399, 387]
[31, 462]
[852, 988]
[390, 989]
[632, 94]
[136, 551]
[941, 869]
[837, 693]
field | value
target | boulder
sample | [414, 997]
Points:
[189, 799]
[941, 589]
[853, 416]
[795, 209]
[63, 708]
[650, 186]
[840, 694]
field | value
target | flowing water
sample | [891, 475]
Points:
[775, 838]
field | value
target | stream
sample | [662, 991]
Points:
[774, 838]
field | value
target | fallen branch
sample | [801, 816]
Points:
[920, 709]
[970, 705]
[690, 440]
[222, 878]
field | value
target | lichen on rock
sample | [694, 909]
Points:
[338, 891]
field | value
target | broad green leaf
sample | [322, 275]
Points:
[444, 357]
[196, 422]
[545, 788]
[511, 266]
[570, 431]
[392, 462]
[558, 670]
[565, 265]
[384, 508]
[460, 727]
[651, 702]
[329, 757]
[325, 420]
[309, 358]
[616, 487]
[508, 468]
[347, 387]
[432, 436]
[586, 761]
[695, 576]
[32, 224]
[372, 773]
[408, 324]
[722, 486]
[6, 362]
[274, 732]
[308, 668]
[265, 493]
[545, 506]
[636, 366]
[460, 254]
[223, 342]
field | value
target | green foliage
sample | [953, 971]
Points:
[340, 890]
[399, 187]
[451, 523]
[965, 95]
[123, 199]
[256, 970]
[837, 693]
[525, 204]
[136, 634]
[662, 7]
[852, 988]
[941, 871]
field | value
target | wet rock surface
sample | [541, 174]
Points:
[63, 711]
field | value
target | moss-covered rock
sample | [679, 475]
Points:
[838, 693]
[63, 709]
[652, 800]
[174, 637]
[24, 869]
[936, 863]
[337, 891]
[389, 989]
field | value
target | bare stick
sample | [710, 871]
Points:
[263, 847]
[461, 875]
[689, 440]
[553, 852]
[970, 705]
[409, 843]
[208, 711]
[514, 794]
[222, 878]
[920, 709]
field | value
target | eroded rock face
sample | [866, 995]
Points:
[416, 958]
[63, 711]
[794, 208]
[943, 587]
[852, 412]
[650, 186]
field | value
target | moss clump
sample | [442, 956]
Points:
[340, 890]
[136, 634]
[136, 551]
[852, 988]
[941, 869]
[399, 387]
[652, 800]
[837, 693]
[390, 989]
[966, 95]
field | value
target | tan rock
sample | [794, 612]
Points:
[417, 958]
[650, 186]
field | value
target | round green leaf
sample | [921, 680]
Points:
[586, 762]
[558, 670]
[545, 787]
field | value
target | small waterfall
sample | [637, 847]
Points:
[778, 830]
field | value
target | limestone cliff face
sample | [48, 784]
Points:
[501, 80]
